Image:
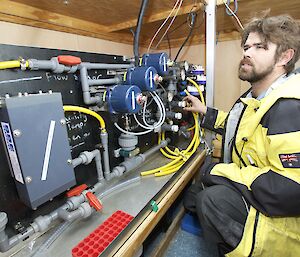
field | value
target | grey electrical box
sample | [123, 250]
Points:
[35, 136]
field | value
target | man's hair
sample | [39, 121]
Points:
[281, 30]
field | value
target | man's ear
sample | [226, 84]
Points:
[285, 57]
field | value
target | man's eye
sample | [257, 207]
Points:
[261, 47]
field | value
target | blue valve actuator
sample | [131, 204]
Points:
[124, 99]
[144, 77]
[158, 60]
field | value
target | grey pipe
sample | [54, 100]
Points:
[52, 65]
[105, 66]
[104, 142]
[99, 82]
[7, 243]
[134, 162]
[86, 158]
[87, 98]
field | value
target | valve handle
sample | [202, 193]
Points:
[68, 60]
[76, 190]
[94, 201]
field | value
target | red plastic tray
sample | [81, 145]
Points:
[95, 243]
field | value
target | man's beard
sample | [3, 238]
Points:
[252, 75]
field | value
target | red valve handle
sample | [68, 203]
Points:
[76, 190]
[68, 60]
[93, 201]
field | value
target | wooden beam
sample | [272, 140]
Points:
[35, 17]
[155, 17]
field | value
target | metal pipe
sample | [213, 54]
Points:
[210, 10]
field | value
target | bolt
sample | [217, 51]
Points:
[17, 133]
[50, 91]
[63, 122]
[6, 95]
[25, 94]
[40, 92]
[19, 94]
[69, 161]
[28, 180]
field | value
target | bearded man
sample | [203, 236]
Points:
[249, 205]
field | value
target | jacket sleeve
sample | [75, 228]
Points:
[274, 189]
[214, 120]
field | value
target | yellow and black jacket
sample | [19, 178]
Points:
[265, 168]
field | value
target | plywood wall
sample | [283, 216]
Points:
[29, 36]
[227, 85]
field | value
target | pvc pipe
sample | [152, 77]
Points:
[95, 82]
[104, 141]
[95, 66]
[87, 98]
[134, 162]
[86, 158]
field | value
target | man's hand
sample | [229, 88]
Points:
[194, 105]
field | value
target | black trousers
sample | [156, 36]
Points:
[221, 211]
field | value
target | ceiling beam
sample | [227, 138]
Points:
[26, 15]
[155, 17]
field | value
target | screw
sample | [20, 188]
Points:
[28, 180]
[63, 122]
[17, 133]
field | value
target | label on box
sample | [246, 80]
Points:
[12, 153]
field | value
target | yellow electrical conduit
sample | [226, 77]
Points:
[12, 64]
[178, 157]
[72, 108]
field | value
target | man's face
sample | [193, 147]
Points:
[259, 59]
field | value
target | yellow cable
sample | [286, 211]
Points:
[149, 172]
[198, 88]
[12, 64]
[179, 157]
[191, 128]
[70, 108]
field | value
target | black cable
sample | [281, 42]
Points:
[169, 44]
[193, 21]
[137, 32]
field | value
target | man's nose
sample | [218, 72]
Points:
[248, 52]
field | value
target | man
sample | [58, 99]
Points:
[249, 205]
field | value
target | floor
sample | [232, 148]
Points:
[185, 244]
